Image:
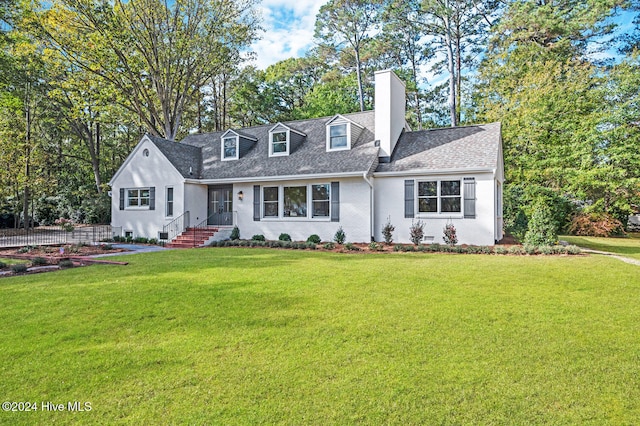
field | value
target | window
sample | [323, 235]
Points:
[138, 197]
[279, 143]
[338, 137]
[295, 201]
[439, 196]
[230, 148]
[169, 201]
[320, 200]
[270, 197]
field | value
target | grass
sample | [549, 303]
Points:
[628, 246]
[253, 336]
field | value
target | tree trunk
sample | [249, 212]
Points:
[458, 72]
[452, 72]
[359, 75]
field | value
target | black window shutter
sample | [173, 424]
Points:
[409, 198]
[152, 198]
[256, 203]
[335, 201]
[121, 198]
[469, 198]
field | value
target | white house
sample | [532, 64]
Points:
[354, 171]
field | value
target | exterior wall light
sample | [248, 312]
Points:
[240, 195]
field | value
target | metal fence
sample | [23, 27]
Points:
[54, 235]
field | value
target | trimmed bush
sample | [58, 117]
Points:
[416, 232]
[258, 237]
[284, 237]
[235, 233]
[314, 238]
[543, 229]
[19, 268]
[387, 231]
[500, 250]
[310, 245]
[350, 246]
[329, 246]
[373, 246]
[65, 264]
[3, 265]
[340, 236]
[517, 250]
[39, 261]
[573, 250]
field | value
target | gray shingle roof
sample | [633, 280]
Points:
[470, 147]
[309, 158]
[186, 159]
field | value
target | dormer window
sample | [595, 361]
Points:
[338, 137]
[230, 148]
[279, 143]
[342, 133]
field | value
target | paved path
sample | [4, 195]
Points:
[614, 255]
[133, 249]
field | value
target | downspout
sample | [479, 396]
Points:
[373, 207]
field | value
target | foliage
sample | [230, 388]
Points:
[314, 238]
[595, 225]
[329, 245]
[66, 224]
[284, 237]
[39, 261]
[65, 264]
[340, 236]
[450, 236]
[387, 231]
[235, 233]
[19, 268]
[258, 237]
[416, 232]
[351, 247]
[373, 246]
[543, 228]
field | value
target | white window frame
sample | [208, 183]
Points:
[342, 148]
[287, 141]
[277, 202]
[439, 197]
[128, 197]
[222, 153]
[281, 216]
[328, 200]
[169, 202]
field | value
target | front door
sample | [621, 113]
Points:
[220, 211]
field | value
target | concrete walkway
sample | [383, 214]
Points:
[132, 249]
[614, 255]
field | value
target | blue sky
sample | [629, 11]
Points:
[289, 27]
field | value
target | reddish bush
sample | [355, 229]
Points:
[596, 225]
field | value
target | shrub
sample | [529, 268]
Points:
[435, 247]
[545, 250]
[284, 237]
[450, 237]
[500, 250]
[106, 247]
[66, 224]
[39, 261]
[3, 265]
[19, 268]
[310, 245]
[350, 246]
[387, 231]
[340, 236]
[235, 233]
[595, 225]
[416, 232]
[408, 248]
[573, 250]
[518, 250]
[398, 247]
[314, 238]
[329, 246]
[153, 241]
[373, 246]
[65, 264]
[530, 249]
[543, 229]
[141, 240]
[258, 237]
[26, 249]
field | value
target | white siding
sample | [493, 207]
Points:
[144, 172]
[355, 217]
[195, 201]
[389, 196]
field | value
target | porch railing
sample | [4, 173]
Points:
[176, 227]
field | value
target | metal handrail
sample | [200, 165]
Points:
[193, 230]
[176, 227]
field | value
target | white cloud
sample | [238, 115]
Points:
[289, 27]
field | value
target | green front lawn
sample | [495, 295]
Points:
[627, 246]
[255, 336]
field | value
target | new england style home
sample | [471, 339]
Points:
[354, 171]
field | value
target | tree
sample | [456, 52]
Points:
[350, 22]
[158, 55]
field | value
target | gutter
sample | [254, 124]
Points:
[373, 206]
[273, 178]
[426, 172]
